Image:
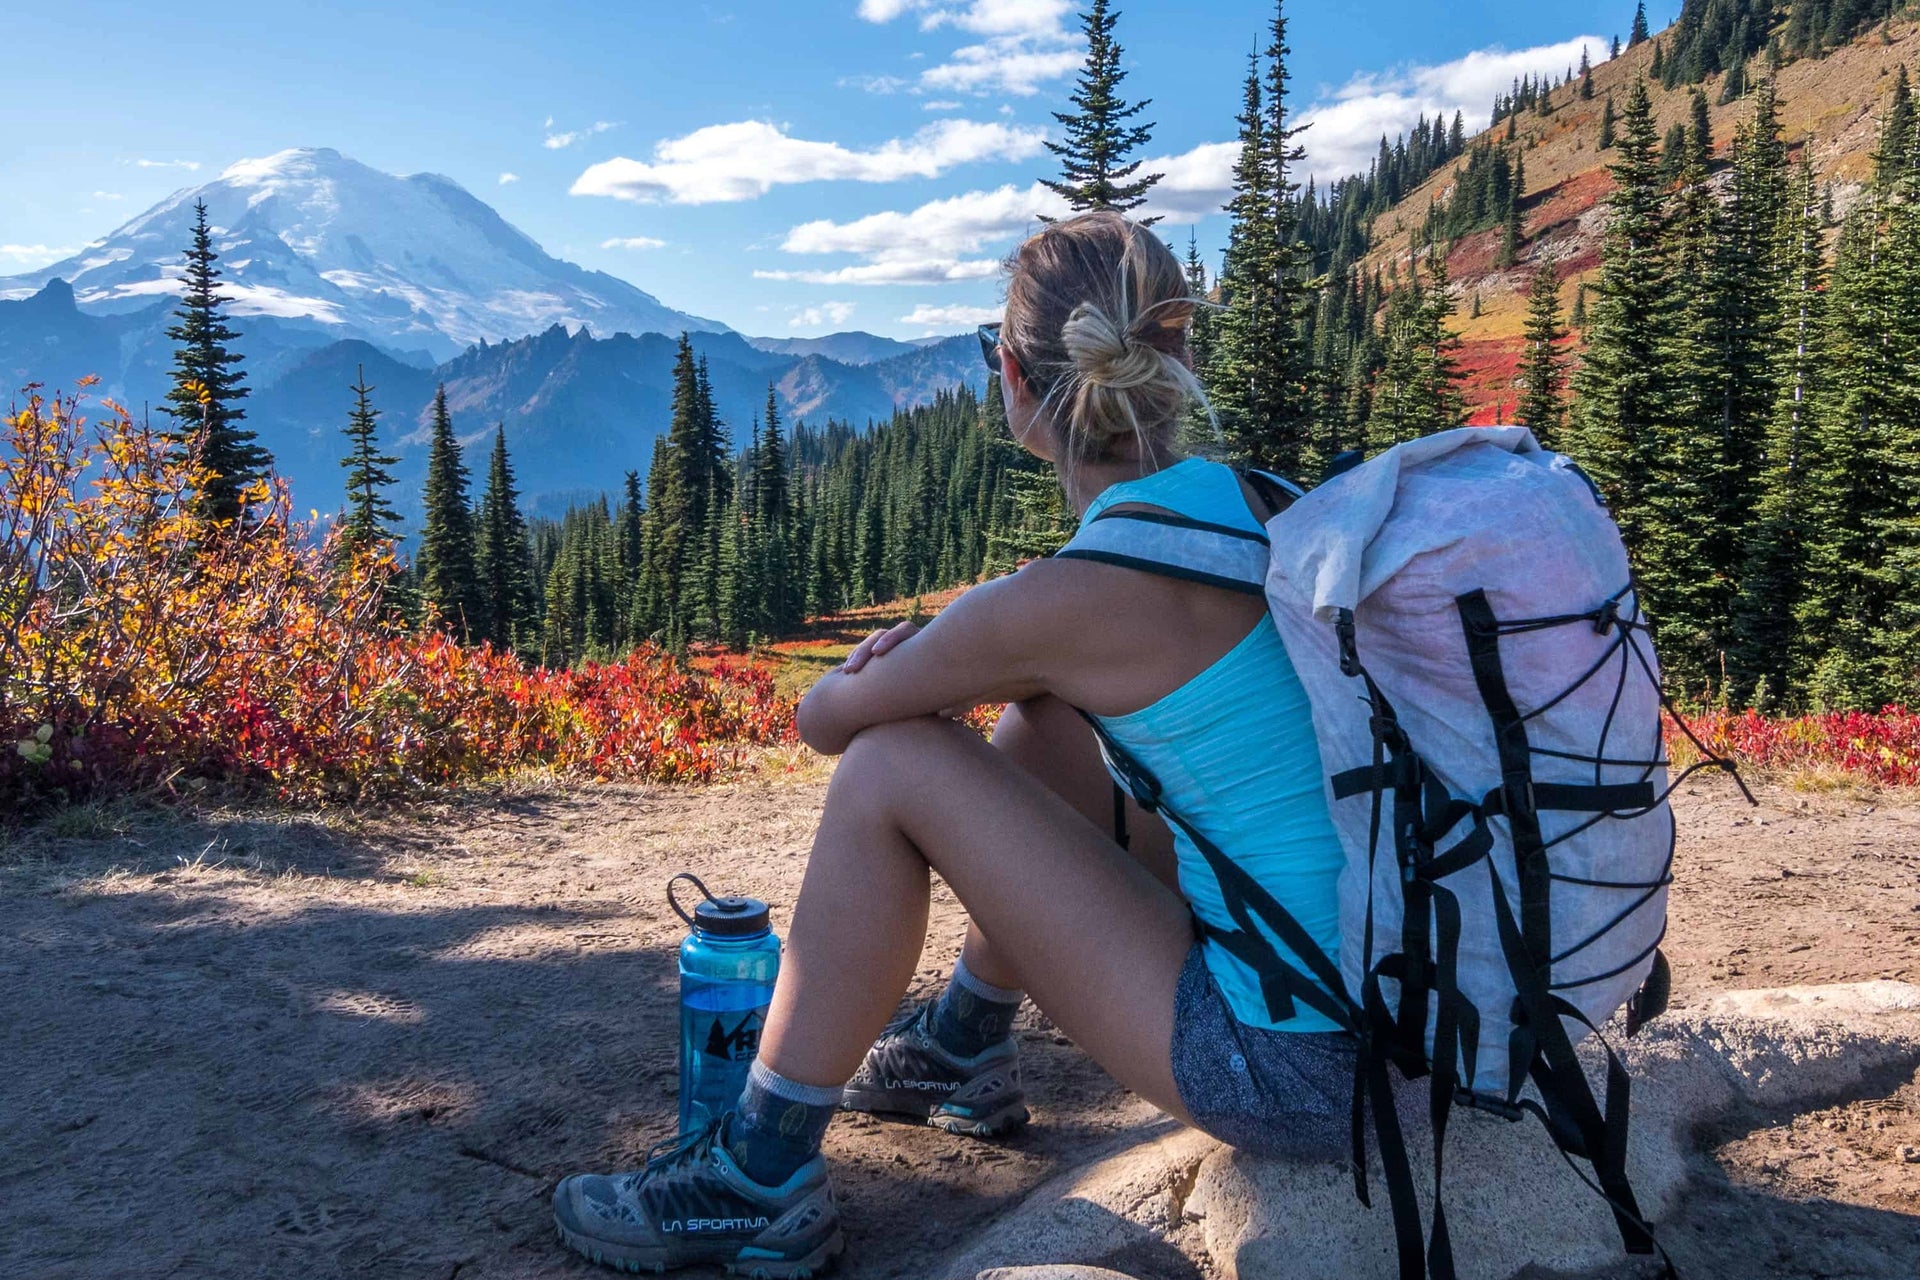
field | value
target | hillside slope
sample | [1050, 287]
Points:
[1832, 104]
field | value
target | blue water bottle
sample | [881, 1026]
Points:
[727, 967]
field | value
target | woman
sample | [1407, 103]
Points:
[1111, 941]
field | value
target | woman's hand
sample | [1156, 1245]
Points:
[987, 646]
[878, 645]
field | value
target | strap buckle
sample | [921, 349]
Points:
[1349, 644]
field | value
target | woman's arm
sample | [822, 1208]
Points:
[994, 644]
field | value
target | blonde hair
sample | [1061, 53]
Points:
[1097, 315]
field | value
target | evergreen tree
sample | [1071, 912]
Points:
[1700, 134]
[208, 384]
[1098, 136]
[1765, 660]
[503, 559]
[1680, 543]
[1620, 389]
[1893, 158]
[1262, 386]
[1607, 124]
[1417, 391]
[370, 518]
[1639, 33]
[1543, 367]
[1586, 76]
[448, 581]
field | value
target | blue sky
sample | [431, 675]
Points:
[787, 167]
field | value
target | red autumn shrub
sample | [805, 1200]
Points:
[142, 646]
[1883, 749]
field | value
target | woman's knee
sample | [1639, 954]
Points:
[880, 759]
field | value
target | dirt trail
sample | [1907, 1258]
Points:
[249, 1045]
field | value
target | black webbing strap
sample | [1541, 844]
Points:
[1516, 772]
[1247, 901]
[1527, 943]
[1547, 796]
[1423, 812]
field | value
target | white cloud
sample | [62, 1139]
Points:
[560, 141]
[954, 317]
[1025, 43]
[1003, 65]
[633, 242]
[35, 255]
[732, 162]
[947, 241]
[108, 195]
[191, 166]
[894, 271]
[508, 179]
[825, 315]
[874, 84]
[932, 244]
[1346, 130]
[941, 104]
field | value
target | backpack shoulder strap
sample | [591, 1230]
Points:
[1176, 546]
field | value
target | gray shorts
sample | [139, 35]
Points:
[1275, 1093]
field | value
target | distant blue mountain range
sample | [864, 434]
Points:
[332, 267]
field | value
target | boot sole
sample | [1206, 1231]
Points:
[658, 1261]
[1008, 1118]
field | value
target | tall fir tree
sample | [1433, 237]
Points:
[502, 558]
[1418, 389]
[445, 566]
[1638, 35]
[1543, 367]
[1680, 542]
[1621, 392]
[1891, 159]
[1262, 366]
[208, 384]
[1765, 660]
[370, 517]
[1099, 136]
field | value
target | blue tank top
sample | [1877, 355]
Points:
[1235, 755]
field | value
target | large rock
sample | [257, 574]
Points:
[1511, 1202]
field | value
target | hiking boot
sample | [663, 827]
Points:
[907, 1074]
[692, 1206]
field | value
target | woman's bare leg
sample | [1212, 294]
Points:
[1097, 940]
[1048, 739]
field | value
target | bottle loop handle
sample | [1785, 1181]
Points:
[675, 903]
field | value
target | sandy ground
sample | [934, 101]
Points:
[246, 1044]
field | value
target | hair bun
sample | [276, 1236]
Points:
[1104, 354]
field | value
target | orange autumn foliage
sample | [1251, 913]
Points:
[142, 646]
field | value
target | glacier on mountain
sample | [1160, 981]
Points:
[314, 237]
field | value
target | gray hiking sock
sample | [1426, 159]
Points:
[778, 1125]
[972, 1015]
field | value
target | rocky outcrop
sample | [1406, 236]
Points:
[1179, 1204]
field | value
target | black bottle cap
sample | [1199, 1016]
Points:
[720, 917]
[731, 917]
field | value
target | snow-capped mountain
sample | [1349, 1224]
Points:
[316, 240]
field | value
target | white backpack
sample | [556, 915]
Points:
[1488, 708]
